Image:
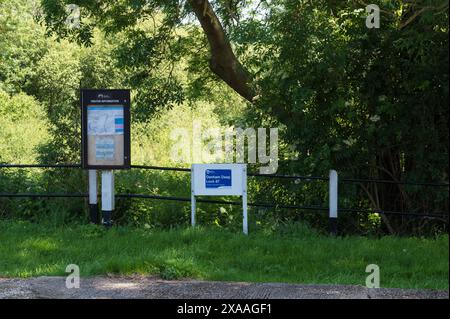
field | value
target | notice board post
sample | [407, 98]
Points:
[93, 197]
[105, 127]
[219, 180]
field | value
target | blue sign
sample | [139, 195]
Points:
[217, 178]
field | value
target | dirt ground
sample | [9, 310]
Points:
[155, 288]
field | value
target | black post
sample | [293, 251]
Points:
[106, 221]
[333, 223]
[93, 197]
[93, 213]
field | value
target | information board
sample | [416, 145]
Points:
[105, 129]
[219, 179]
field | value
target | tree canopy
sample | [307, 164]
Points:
[368, 102]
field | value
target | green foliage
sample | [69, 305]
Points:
[54, 81]
[369, 103]
[22, 44]
[21, 113]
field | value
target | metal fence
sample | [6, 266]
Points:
[441, 215]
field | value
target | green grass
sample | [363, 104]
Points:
[294, 254]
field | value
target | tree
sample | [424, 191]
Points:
[223, 60]
[368, 102]
[22, 44]
[115, 16]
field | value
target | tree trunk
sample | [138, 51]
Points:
[223, 60]
[390, 195]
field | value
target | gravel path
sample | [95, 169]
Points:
[150, 287]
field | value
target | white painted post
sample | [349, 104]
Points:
[244, 201]
[333, 205]
[93, 197]
[193, 207]
[193, 203]
[107, 197]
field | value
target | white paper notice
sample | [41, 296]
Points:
[104, 148]
[105, 120]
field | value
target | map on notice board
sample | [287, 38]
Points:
[105, 120]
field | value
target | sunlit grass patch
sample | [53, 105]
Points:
[296, 255]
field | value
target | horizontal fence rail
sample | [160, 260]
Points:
[295, 177]
[40, 165]
[209, 201]
[29, 195]
[442, 215]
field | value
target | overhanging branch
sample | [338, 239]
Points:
[223, 60]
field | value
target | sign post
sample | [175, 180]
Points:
[107, 196]
[105, 116]
[244, 209]
[219, 180]
[193, 201]
[93, 196]
[333, 202]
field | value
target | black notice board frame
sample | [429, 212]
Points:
[104, 97]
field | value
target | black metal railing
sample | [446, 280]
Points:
[442, 215]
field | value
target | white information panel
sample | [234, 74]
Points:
[219, 180]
